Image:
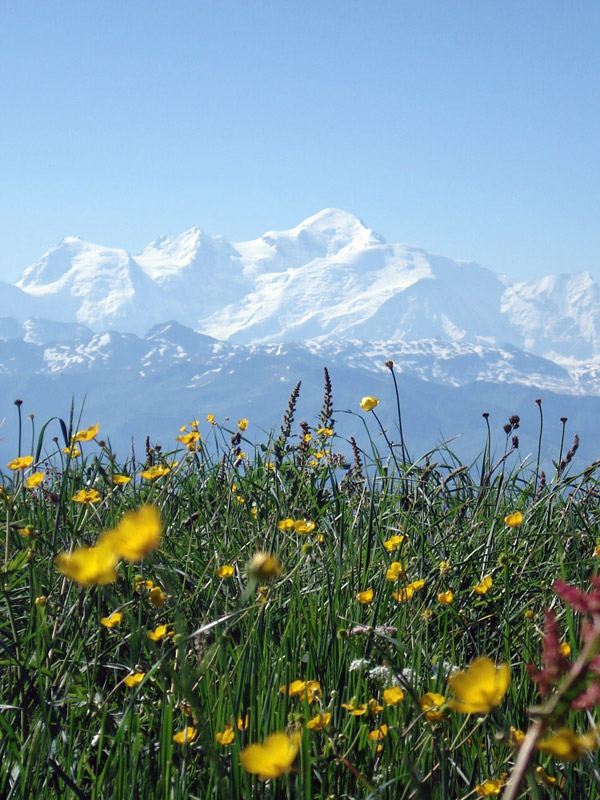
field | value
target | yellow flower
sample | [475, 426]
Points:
[152, 473]
[431, 705]
[306, 438]
[564, 649]
[86, 435]
[211, 418]
[567, 746]
[596, 552]
[120, 480]
[309, 690]
[41, 601]
[158, 633]
[445, 567]
[272, 758]
[243, 424]
[480, 687]
[20, 463]
[134, 679]
[89, 565]
[285, 524]
[188, 734]
[113, 621]
[446, 598]
[156, 596]
[34, 480]
[137, 534]
[325, 431]
[515, 737]
[369, 403]
[72, 451]
[142, 583]
[28, 532]
[304, 526]
[489, 788]
[86, 496]
[320, 722]
[264, 567]
[542, 777]
[513, 520]
[395, 571]
[379, 733]
[484, 585]
[366, 596]
[242, 724]
[393, 695]
[225, 737]
[190, 440]
[404, 594]
[393, 543]
[226, 571]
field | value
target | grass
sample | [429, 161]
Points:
[72, 729]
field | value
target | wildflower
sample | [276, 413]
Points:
[393, 543]
[211, 418]
[226, 736]
[528, 614]
[484, 585]
[225, 571]
[564, 649]
[272, 758]
[567, 746]
[86, 435]
[152, 473]
[285, 524]
[309, 690]
[28, 532]
[379, 733]
[542, 777]
[480, 687]
[72, 451]
[113, 621]
[264, 567]
[393, 695]
[86, 496]
[515, 737]
[142, 583]
[444, 567]
[89, 565]
[242, 724]
[489, 788]
[395, 571]
[366, 596]
[432, 706]
[41, 601]
[325, 431]
[369, 403]
[34, 480]
[243, 424]
[596, 552]
[304, 526]
[158, 633]
[120, 480]
[446, 598]
[191, 440]
[404, 594]
[188, 734]
[513, 520]
[320, 722]
[134, 679]
[20, 463]
[358, 663]
[306, 438]
[137, 534]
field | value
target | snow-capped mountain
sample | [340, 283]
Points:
[330, 276]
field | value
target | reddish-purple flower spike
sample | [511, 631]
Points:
[589, 698]
[555, 663]
[583, 602]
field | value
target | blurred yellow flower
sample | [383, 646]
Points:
[404, 594]
[480, 687]
[211, 418]
[272, 758]
[369, 403]
[243, 424]
[86, 496]
[565, 745]
[20, 463]
[484, 585]
[564, 649]
[515, 737]
[489, 788]
[325, 431]
[89, 565]
[393, 543]
[446, 598]
[134, 679]
[28, 532]
[86, 435]
[308, 690]
[158, 633]
[142, 583]
[379, 733]
[225, 571]
[137, 534]
[73, 452]
[393, 695]
[366, 596]
[113, 621]
[319, 723]
[120, 480]
[445, 567]
[188, 734]
[395, 571]
[264, 567]
[513, 520]
[431, 705]
[156, 596]
[41, 601]
[285, 524]
[34, 480]
[225, 737]
[542, 777]
[304, 526]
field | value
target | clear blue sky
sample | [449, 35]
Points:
[469, 127]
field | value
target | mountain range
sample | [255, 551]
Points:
[196, 324]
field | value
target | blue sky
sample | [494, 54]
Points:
[469, 127]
